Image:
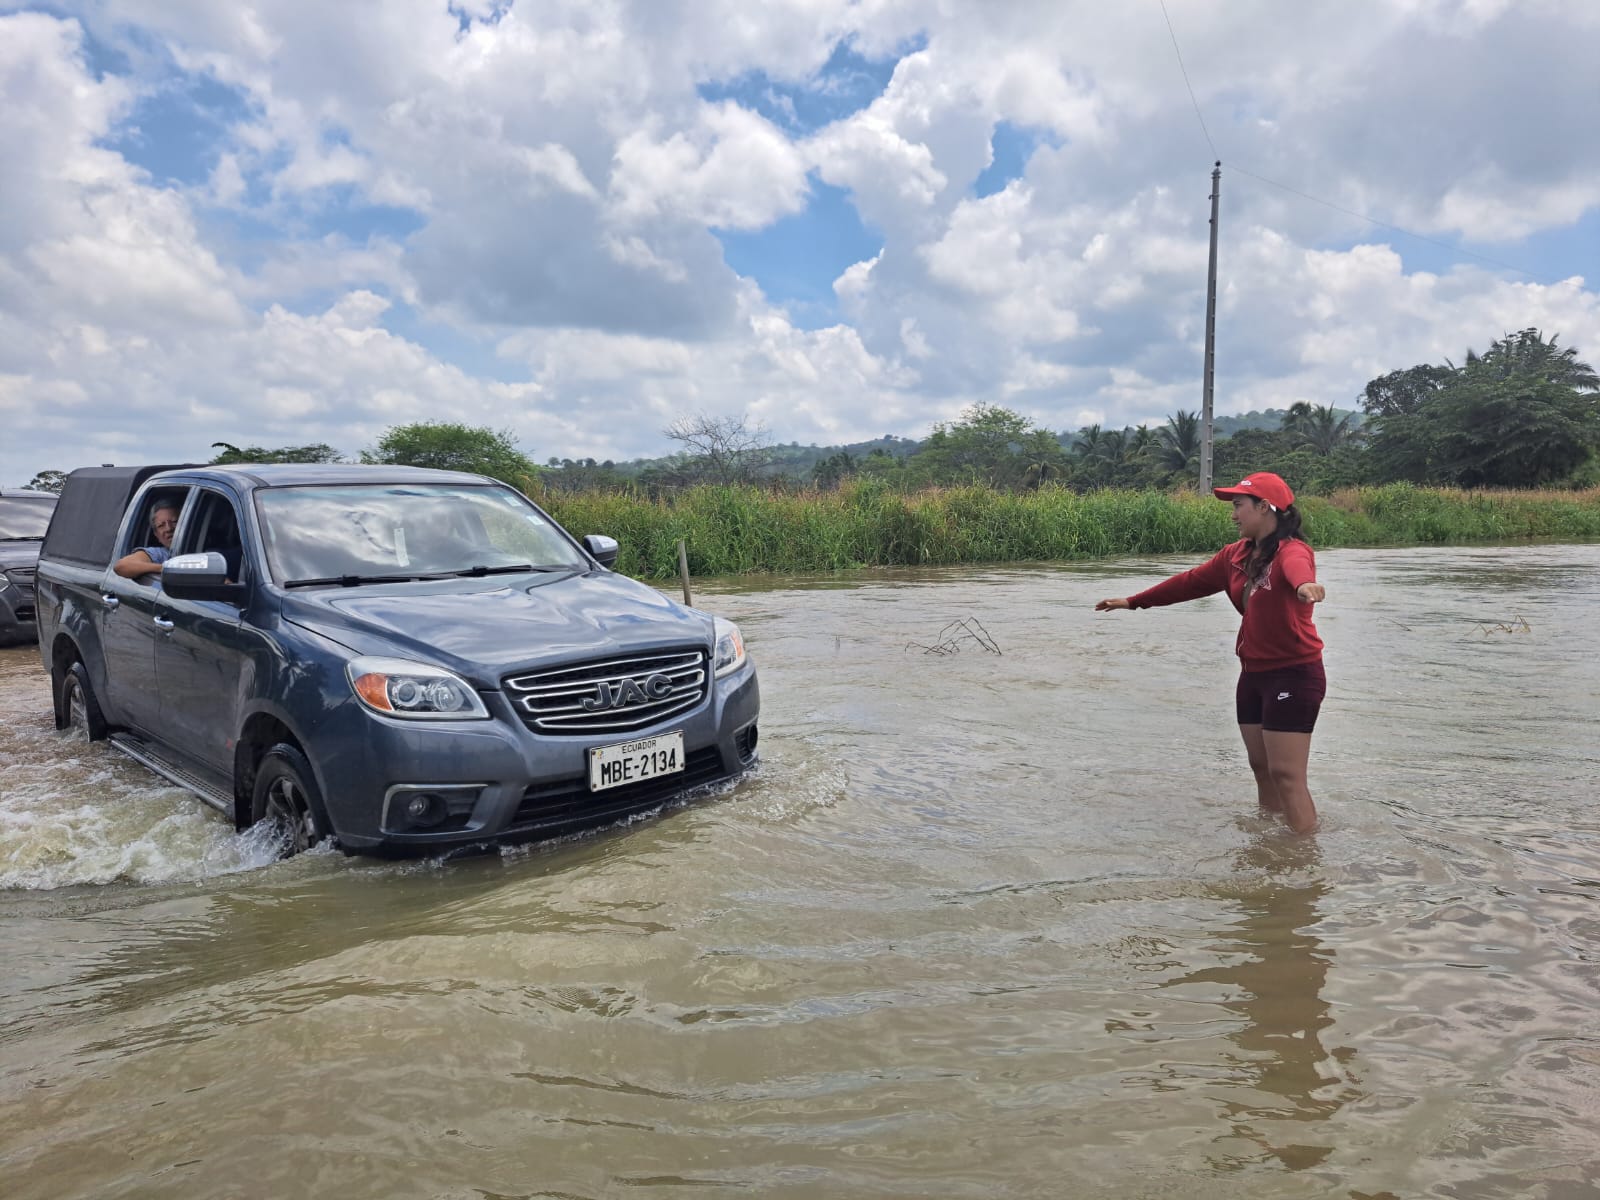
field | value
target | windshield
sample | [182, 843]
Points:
[24, 518]
[353, 532]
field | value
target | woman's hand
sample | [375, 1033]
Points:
[1310, 593]
[1108, 605]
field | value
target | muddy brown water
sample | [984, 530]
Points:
[979, 925]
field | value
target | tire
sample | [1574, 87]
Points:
[77, 711]
[286, 796]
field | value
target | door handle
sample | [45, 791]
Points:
[109, 600]
[162, 624]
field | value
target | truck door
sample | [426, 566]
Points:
[202, 661]
[131, 627]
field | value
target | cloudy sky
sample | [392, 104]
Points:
[282, 222]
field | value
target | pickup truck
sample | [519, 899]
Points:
[402, 660]
[24, 517]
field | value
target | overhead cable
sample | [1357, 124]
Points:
[1217, 155]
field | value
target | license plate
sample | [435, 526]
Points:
[633, 762]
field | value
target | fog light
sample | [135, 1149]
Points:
[424, 810]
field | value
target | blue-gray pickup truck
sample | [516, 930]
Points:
[403, 660]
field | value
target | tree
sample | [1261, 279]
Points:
[1144, 442]
[316, 452]
[1528, 355]
[583, 475]
[830, 472]
[1321, 427]
[1517, 430]
[985, 446]
[1403, 448]
[1400, 393]
[1257, 450]
[1297, 417]
[1042, 458]
[452, 447]
[48, 481]
[1521, 414]
[721, 450]
[1086, 443]
[1180, 441]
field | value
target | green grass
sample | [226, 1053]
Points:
[735, 531]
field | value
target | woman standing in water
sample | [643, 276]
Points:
[1271, 577]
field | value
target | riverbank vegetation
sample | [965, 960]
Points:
[737, 529]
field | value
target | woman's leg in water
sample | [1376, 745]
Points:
[1287, 755]
[1256, 747]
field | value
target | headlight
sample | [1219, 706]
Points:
[397, 688]
[729, 655]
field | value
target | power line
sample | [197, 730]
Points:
[1350, 212]
[1186, 83]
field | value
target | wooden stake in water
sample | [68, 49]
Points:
[683, 570]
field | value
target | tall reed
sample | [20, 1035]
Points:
[737, 530]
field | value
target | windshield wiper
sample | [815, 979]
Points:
[32, 537]
[512, 569]
[469, 573]
[356, 580]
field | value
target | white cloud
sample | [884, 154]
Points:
[734, 170]
[565, 171]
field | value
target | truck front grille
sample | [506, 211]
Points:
[612, 695]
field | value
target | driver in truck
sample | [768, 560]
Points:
[148, 559]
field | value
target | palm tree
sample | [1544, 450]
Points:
[1087, 445]
[1143, 443]
[1041, 469]
[1180, 441]
[1528, 353]
[1113, 446]
[1297, 418]
[1324, 430]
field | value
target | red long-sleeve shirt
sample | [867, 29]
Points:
[1277, 630]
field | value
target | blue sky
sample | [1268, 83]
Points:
[270, 225]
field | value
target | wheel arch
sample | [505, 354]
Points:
[262, 731]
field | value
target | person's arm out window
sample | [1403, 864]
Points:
[136, 565]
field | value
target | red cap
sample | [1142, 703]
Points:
[1263, 485]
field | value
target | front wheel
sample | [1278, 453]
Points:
[77, 710]
[286, 798]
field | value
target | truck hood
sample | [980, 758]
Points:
[480, 628]
[18, 554]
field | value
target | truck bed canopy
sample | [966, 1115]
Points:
[84, 526]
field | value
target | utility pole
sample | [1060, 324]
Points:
[1211, 337]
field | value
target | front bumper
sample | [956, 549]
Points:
[502, 783]
[17, 618]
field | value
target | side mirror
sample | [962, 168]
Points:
[200, 577]
[601, 548]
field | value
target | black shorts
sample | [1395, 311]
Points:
[1285, 700]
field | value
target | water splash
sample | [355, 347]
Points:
[75, 814]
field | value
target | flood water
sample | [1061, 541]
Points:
[979, 925]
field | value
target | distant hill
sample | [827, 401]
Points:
[1271, 419]
[791, 458]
